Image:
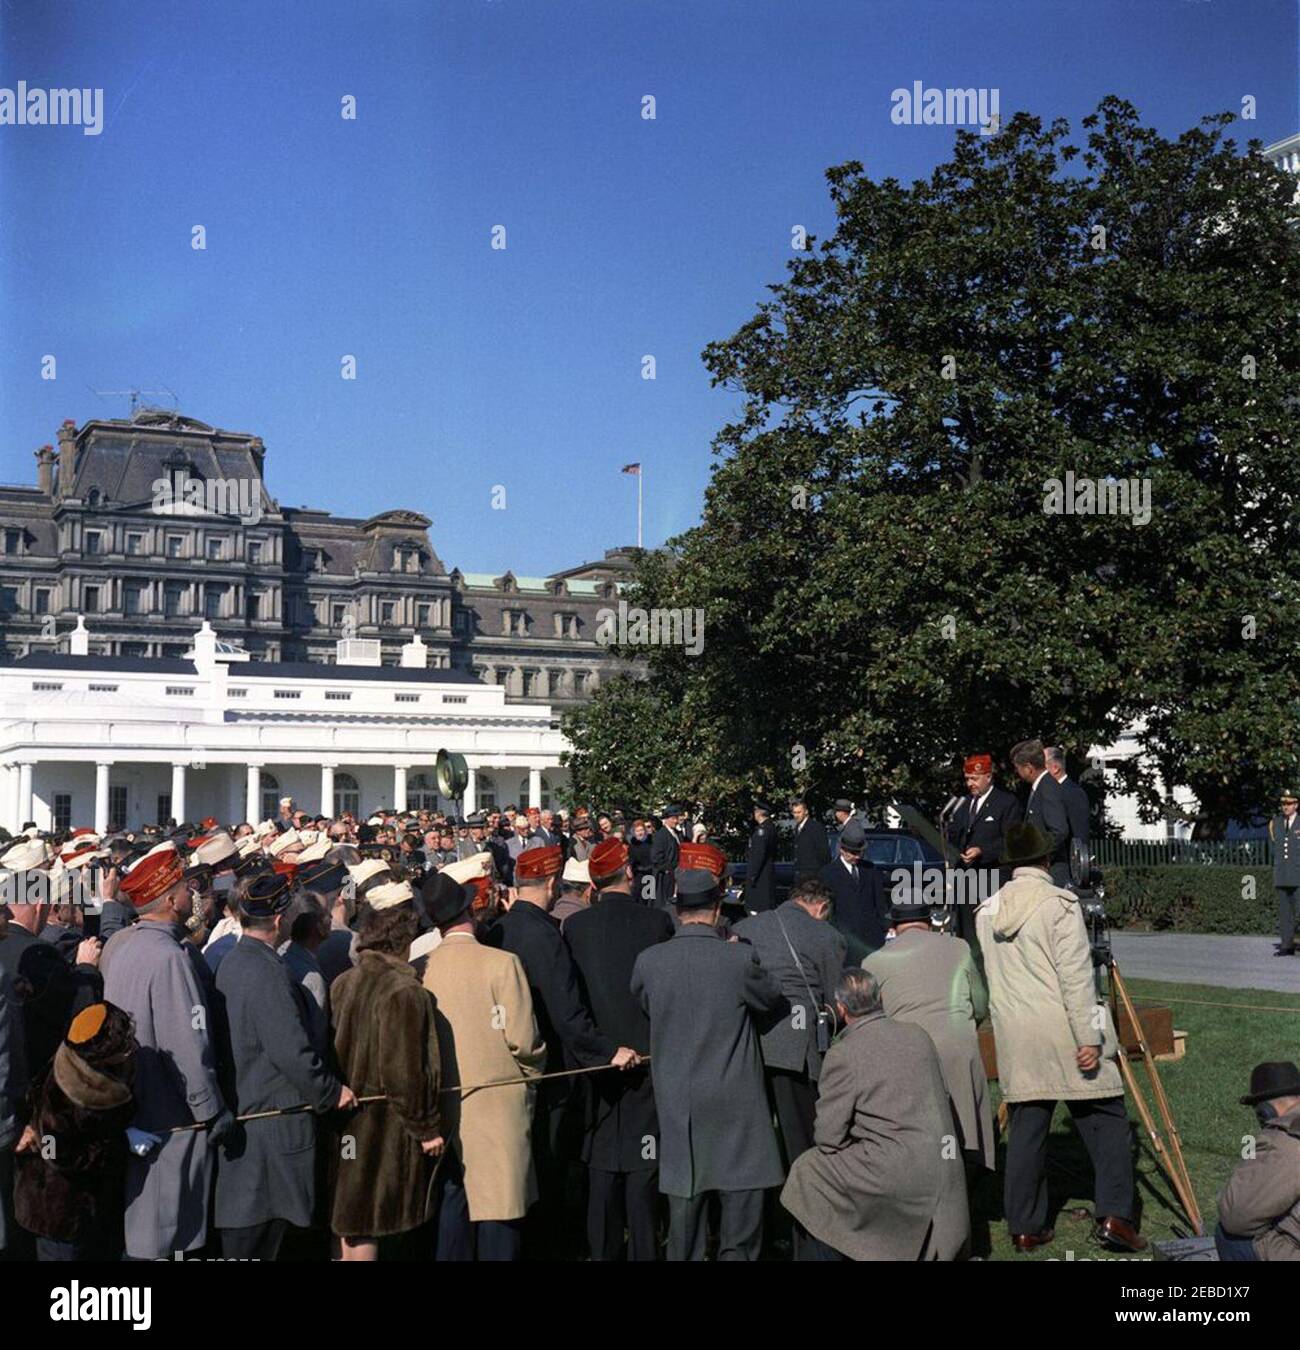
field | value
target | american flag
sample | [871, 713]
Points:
[632, 468]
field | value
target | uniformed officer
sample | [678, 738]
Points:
[1284, 831]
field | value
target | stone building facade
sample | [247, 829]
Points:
[149, 526]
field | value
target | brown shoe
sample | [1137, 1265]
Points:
[1119, 1235]
[1026, 1242]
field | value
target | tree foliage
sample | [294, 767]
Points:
[882, 587]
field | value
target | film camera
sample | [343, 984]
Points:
[1087, 883]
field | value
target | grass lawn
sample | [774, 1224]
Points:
[1223, 1045]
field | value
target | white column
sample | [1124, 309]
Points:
[535, 788]
[327, 789]
[101, 798]
[471, 790]
[24, 796]
[178, 793]
[253, 795]
[399, 787]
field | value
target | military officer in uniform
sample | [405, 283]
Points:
[760, 862]
[1284, 831]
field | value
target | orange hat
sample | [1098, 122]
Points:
[708, 856]
[209, 822]
[158, 871]
[285, 869]
[480, 888]
[607, 859]
[535, 863]
[978, 764]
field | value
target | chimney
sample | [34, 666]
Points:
[205, 649]
[415, 653]
[79, 639]
[45, 469]
[67, 452]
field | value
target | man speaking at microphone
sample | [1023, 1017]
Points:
[977, 832]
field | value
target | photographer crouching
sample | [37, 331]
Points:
[1055, 1042]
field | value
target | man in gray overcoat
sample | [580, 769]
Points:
[151, 978]
[1284, 831]
[266, 1169]
[806, 954]
[701, 993]
[883, 1181]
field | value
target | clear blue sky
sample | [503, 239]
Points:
[371, 237]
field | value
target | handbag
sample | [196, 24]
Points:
[824, 1017]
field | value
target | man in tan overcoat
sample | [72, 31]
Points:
[1055, 1042]
[486, 1032]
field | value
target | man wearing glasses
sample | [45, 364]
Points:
[1284, 831]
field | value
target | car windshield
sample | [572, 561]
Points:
[890, 850]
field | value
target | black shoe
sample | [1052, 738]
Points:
[1284, 951]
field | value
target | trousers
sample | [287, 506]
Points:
[740, 1226]
[258, 1242]
[458, 1239]
[619, 1203]
[1104, 1127]
[794, 1097]
[1288, 903]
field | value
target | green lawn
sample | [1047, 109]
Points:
[1223, 1044]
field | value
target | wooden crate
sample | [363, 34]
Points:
[1157, 1024]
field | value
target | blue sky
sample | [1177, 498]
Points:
[625, 237]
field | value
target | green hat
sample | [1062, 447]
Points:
[1026, 844]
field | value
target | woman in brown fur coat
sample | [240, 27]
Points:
[387, 1044]
[71, 1162]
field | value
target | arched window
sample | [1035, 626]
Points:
[270, 797]
[487, 792]
[421, 793]
[347, 794]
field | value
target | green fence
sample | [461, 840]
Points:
[1162, 852]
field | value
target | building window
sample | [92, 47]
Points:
[116, 806]
[175, 546]
[90, 599]
[213, 601]
[423, 615]
[487, 792]
[288, 693]
[174, 651]
[44, 599]
[164, 808]
[347, 794]
[406, 698]
[134, 649]
[103, 689]
[545, 802]
[387, 610]
[252, 606]
[238, 693]
[46, 686]
[180, 690]
[421, 794]
[339, 614]
[133, 598]
[337, 696]
[135, 545]
[270, 797]
[13, 541]
[94, 541]
[62, 811]
[8, 599]
[173, 601]
[255, 550]
[216, 549]
[454, 698]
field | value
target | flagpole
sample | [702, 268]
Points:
[640, 477]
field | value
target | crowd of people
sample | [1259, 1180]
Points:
[531, 1035]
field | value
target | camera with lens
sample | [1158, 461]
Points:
[1086, 883]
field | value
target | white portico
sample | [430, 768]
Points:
[121, 742]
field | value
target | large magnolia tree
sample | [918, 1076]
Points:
[884, 581]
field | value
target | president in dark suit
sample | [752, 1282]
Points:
[760, 862]
[812, 850]
[976, 832]
[861, 910]
[1045, 805]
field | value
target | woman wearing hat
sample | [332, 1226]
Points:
[387, 1045]
[72, 1195]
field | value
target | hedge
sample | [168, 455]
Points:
[1190, 898]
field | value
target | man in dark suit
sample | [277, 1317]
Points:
[760, 862]
[702, 994]
[266, 1171]
[861, 911]
[606, 939]
[1045, 805]
[1078, 809]
[806, 954]
[664, 849]
[812, 850]
[572, 1039]
[977, 831]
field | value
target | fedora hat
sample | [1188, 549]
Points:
[1278, 1078]
[1025, 844]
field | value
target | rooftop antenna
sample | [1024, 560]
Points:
[136, 394]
